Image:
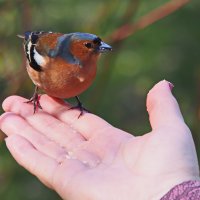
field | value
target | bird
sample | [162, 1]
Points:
[63, 65]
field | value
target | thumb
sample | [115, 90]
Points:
[162, 107]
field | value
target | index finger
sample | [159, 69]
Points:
[88, 124]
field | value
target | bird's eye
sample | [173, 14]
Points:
[88, 45]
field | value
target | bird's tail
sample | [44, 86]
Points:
[20, 36]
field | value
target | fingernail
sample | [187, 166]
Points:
[171, 85]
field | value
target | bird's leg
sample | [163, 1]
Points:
[79, 106]
[35, 99]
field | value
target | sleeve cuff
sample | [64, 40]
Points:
[189, 190]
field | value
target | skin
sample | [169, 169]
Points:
[86, 158]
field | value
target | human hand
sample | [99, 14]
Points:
[87, 158]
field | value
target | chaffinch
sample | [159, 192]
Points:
[62, 65]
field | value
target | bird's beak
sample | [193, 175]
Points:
[104, 48]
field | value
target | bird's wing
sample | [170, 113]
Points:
[56, 44]
[38, 45]
[47, 43]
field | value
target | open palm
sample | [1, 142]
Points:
[88, 159]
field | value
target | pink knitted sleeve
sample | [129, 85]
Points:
[189, 190]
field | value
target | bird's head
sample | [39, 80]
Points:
[86, 46]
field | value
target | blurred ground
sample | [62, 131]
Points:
[168, 49]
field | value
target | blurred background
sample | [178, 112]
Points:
[166, 49]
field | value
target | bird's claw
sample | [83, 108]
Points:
[35, 99]
[80, 107]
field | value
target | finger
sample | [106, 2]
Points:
[18, 105]
[88, 125]
[49, 171]
[12, 124]
[48, 125]
[162, 107]
[30, 158]
[56, 130]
